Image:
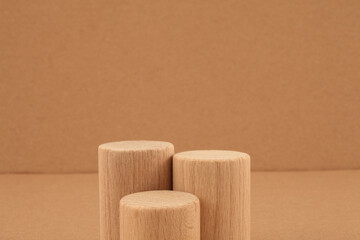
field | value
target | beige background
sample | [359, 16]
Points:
[279, 80]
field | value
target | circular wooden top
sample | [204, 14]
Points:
[212, 155]
[159, 199]
[136, 145]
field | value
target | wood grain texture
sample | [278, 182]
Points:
[160, 215]
[221, 180]
[127, 167]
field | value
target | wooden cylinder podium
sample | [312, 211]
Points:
[221, 181]
[127, 167]
[160, 215]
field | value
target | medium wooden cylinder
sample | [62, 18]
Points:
[160, 215]
[127, 167]
[221, 180]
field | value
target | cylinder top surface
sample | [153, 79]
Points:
[211, 155]
[135, 145]
[159, 199]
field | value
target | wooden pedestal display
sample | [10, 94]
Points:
[127, 167]
[160, 215]
[221, 180]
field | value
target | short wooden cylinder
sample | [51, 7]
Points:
[127, 167]
[160, 215]
[221, 180]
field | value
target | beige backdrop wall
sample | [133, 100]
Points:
[279, 80]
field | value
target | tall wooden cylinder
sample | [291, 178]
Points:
[127, 167]
[221, 180]
[160, 215]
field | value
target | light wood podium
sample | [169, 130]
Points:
[127, 167]
[221, 180]
[160, 215]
